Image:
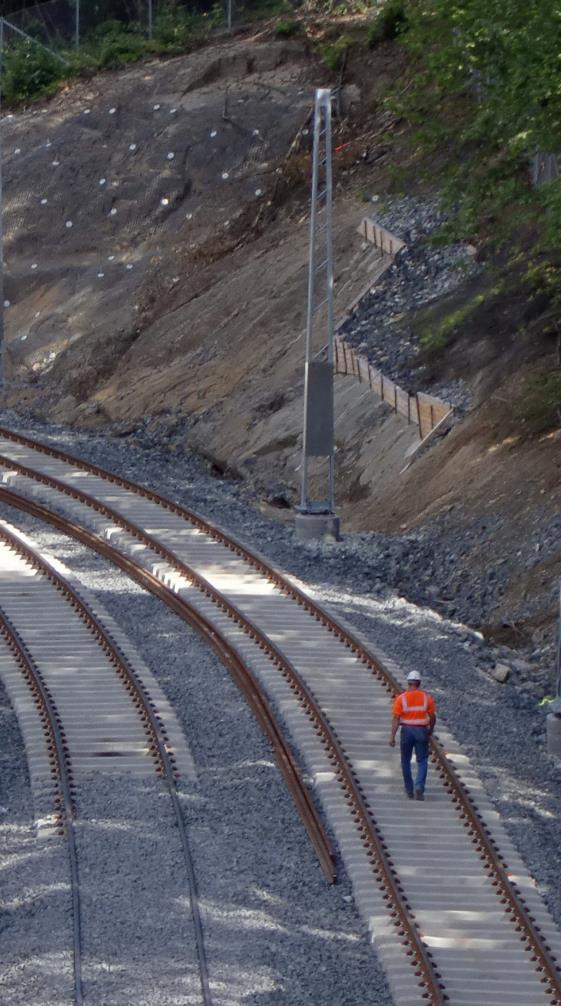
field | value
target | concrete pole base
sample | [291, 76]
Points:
[554, 735]
[310, 526]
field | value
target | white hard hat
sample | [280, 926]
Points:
[413, 676]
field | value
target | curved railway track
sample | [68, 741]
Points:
[481, 933]
[75, 728]
[62, 779]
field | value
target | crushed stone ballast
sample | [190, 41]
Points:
[85, 661]
[87, 705]
[453, 913]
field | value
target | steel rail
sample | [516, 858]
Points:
[61, 771]
[372, 840]
[242, 675]
[311, 818]
[150, 719]
[87, 616]
[507, 889]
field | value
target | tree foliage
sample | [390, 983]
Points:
[501, 61]
[29, 71]
[508, 51]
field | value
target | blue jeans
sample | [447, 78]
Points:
[414, 739]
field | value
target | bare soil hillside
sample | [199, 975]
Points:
[112, 189]
[156, 250]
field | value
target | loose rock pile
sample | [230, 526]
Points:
[422, 272]
[427, 564]
[489, 695]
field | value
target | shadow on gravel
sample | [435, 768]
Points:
[35, 960]
[275, 932]
[500, 727]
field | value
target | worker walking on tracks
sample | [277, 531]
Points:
[415, 712]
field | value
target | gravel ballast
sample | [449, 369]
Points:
[35, 911]
[137, 932]
[422, 272]
[501, 726]
[275, 932]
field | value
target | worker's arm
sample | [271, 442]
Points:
[432, 722]
[395, 728]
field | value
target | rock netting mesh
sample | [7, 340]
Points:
[129, 171]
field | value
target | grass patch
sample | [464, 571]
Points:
[29, 71]
[259, 10]
[436, 338]
[333, 54]
[287, 28]
[540, 404]
[389, 23]
[114, 45]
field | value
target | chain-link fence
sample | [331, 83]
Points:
[59, 25]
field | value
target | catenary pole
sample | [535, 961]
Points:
[310, 308]
[316, 517]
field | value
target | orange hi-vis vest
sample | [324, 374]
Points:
[414, 708]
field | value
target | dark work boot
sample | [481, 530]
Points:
[408, 794]
[419, 794]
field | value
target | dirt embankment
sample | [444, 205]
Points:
[157, 254]
[156, 248]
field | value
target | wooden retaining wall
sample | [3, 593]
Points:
[425, 411]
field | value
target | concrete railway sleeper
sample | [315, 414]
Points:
[60, 747]
[62, 777]
[382, 867]
[245, 680]
[517, 906]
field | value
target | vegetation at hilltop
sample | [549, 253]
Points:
[480, 91]
[485, 80]
[482, 97]
[33, 70]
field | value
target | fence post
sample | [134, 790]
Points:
[77, 14]
[150, 19]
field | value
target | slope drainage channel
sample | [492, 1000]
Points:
[94, 714]
[472, 927]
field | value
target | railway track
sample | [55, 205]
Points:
[24, 667]
[453, 913]
[96, 712]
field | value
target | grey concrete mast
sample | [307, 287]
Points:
[316, 517]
